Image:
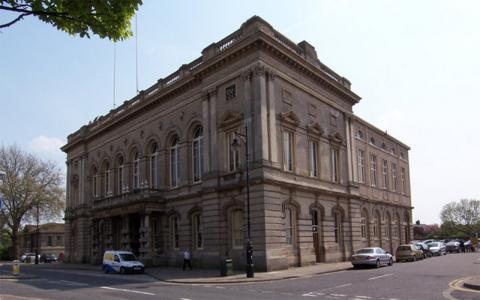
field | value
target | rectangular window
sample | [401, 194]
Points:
[394, 177]
[174, 159]
[237, 229]
[404, 181]
[288, 151]
[95, 185]
[313, 159]
[174, 230]
[50, 241]
[334, 153]
[233, 153]
[230, 92]
[197, 231]
[361, 166]
[108, 186]
[59, 240]
[136, 174]
[385, 174]
[120, 180]
[197, 154]
[154, 170]
[373, 170]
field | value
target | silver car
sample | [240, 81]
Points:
[373, 256]
[437, 248]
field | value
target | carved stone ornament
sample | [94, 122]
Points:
[231, 117]
[160, 125]
[125, 141]
[289, 117]
[246, 75]
[315, 128]
[74, 180]
[111, 148]
[259, 70]
[335, 137]
[182, 115]
[142, 133]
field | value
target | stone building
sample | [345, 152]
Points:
[50, 237]
[158, 174]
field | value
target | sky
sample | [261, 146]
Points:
[416, 65]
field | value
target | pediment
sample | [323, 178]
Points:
[335, 137]
[290, 117]
[231, 117]
[315, 128]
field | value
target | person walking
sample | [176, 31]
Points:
[187, 260]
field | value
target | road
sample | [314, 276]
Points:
[422, 280]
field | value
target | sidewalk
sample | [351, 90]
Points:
[200, 276]
[211, 276]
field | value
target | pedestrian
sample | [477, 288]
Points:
[187, 260]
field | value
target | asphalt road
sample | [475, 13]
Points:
[422, 280]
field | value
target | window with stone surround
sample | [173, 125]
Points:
[361, 165]
[154, 174]
[197, 154]
[337, 223]
[385, 173]
[289, 219]
[237, 228]
[335, 161]
[174, 232]
[174, 161]
[120, 175]
[197, 230]
[233, 153]
[94, 182]
[373, 170]
[364, 221]
[394, 177]
[136, 171]
[313, 155]
[288, 154]
[404, 180]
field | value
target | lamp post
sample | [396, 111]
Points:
[249, 247]
[38, 233]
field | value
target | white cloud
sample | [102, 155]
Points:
[46, 145]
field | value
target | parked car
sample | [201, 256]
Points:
[121, 262]
[23, 258]
[425, 249]
[437, 248]
[373, 256]
[48, 258]
[453, 246]
[408, 252]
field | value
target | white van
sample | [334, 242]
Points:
[121, 262]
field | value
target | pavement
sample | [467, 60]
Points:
[200, 276]
[472, 283]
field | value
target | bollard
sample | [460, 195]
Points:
[16, 267]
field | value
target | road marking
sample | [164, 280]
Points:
[338, 295]
[363, 297]
[220, 287]
[381, 276]
[267, 292]
[309, 295]
[128, 291]
[185, 299]
[252, 291]
[73, 283]
[339, 286]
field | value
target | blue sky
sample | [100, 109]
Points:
[416, 64]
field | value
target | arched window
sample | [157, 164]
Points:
[197, 229]
[376, 225]
[364, 220]
[154, 167]
[107, 185]
[315, 220]
[389, 227]
[289, 219]
[360, 134]
[398, 229]
[120, 175]
[197, 154]
[136, 171]
[94, 182]
[237, 228]
[372, 140]
[174, 161]
[174, 231]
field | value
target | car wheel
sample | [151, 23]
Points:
[122, 270]
[390, 262]
[377, 264]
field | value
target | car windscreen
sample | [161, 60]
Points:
[128, 257]
[404, 248]
[364, 251]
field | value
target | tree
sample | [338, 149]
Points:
[28, 183]
[106, 18]
[464, 212]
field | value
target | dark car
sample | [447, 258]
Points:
[426, 250]
[48, 258]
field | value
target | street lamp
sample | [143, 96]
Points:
[236, 145]
[38, 233]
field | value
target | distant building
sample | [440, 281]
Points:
[51, 239]
[159, 174]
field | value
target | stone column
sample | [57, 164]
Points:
[350, 158]
[260, 111]
[81, 184]
[214, 164]
[272, 120]
[68, 203]
[206, 132]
